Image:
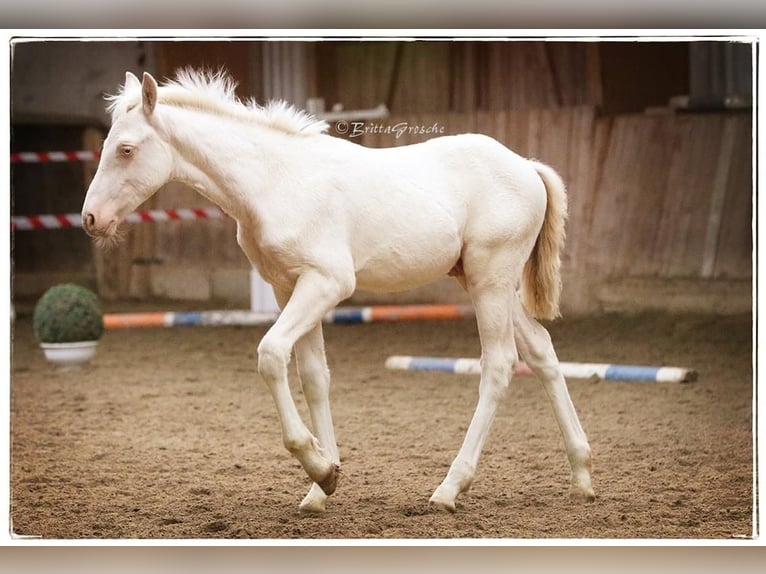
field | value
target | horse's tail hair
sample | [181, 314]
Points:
[541, 280]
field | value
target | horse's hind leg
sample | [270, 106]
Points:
[535, 347]
[315, 382]
[498, 358]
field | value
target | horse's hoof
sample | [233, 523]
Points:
[442, 504]
[330, 482]
[312, 506]
[581, 495]
[314, 502]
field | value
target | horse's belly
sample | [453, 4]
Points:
[401, 267]
[389, 281]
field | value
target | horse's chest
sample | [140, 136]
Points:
[277, 259]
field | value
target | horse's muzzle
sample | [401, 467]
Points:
[96, 228]
[88, 221]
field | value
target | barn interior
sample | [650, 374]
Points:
[653, 138]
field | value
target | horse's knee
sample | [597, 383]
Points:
[272, 359]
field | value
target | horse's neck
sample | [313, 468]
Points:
[220, 158]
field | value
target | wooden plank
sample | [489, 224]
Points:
[462, 92]
[718, 199]
[595, 252]
[516, 132]
[645, 210]
[421, 60]
[490, 123]
[687, 197]
[555, 135]
[595, 88]
[586, 145]
[618, 181]
[359, 74]
[570, 69]
[579, 181]
[734, 254]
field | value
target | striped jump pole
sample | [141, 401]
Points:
[606, 372]
[54, 156]
[381, 313]
[341, 315]
[187, 319]
[64, 220]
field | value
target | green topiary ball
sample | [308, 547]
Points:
[67, 313]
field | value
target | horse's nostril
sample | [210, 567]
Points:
[88, 220]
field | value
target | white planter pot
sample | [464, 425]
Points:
[69, 354]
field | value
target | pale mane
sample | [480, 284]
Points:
[214, 92]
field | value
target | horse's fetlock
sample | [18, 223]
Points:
[581, 453]
[462, 473]
[297, 444]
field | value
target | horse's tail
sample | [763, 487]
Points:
[541, 281]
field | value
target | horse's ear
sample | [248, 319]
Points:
[149, 93]
[131, 81]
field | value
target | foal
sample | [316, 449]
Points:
[319, 216]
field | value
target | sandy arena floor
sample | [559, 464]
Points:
[168, 433]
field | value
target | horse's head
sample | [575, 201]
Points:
[135, 161]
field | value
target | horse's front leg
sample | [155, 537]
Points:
[315, 382]
[314, 295]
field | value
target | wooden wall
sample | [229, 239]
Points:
[464, 76]
[653, 197]
[449, 76]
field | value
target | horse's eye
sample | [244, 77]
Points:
[126, 151]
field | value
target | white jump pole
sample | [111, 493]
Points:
[606, 372]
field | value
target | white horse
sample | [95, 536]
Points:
[319, 216]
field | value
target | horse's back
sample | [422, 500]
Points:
[501, 190]
[421, 203]
[473, 168]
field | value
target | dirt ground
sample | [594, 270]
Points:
[168, 433]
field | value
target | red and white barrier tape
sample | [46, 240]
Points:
[49, 156]
[60, 221]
